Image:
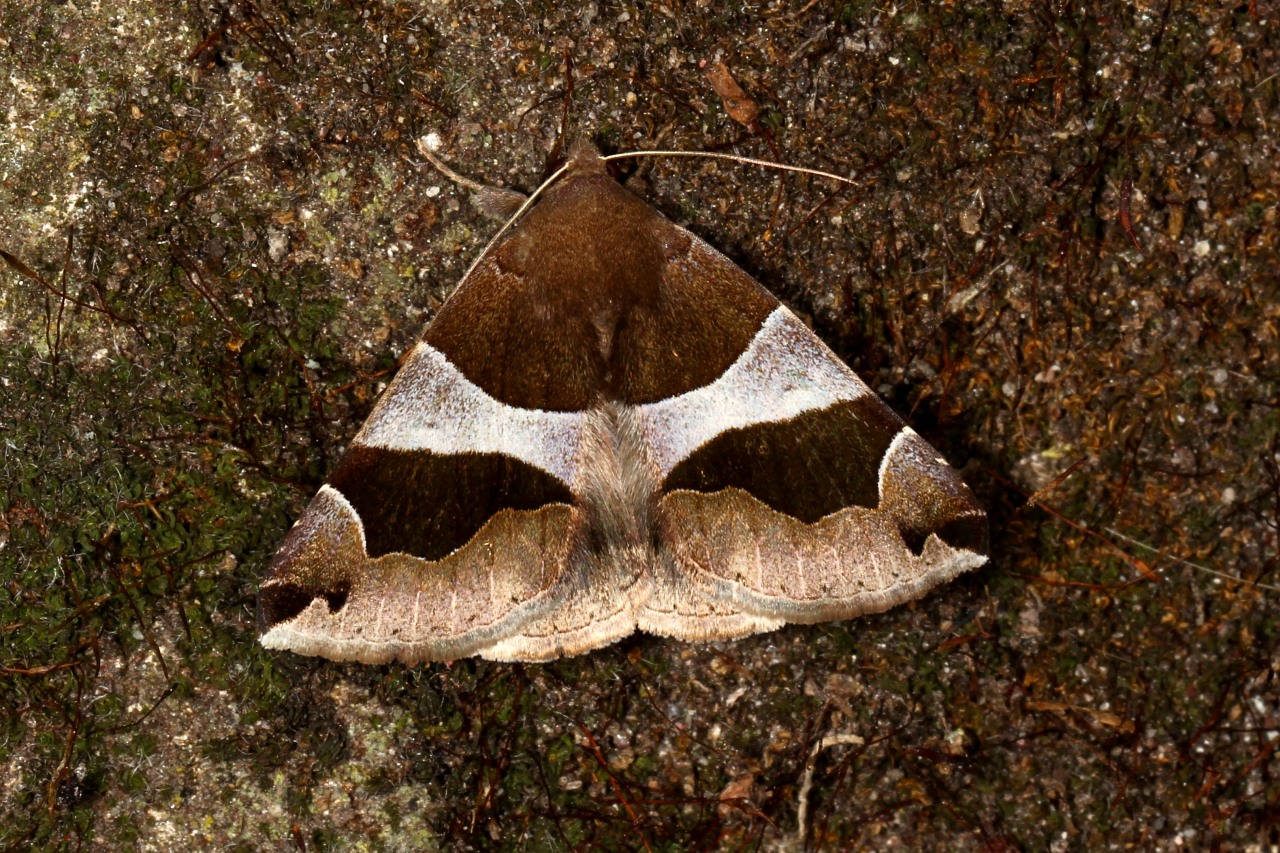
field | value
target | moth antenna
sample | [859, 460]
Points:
[425, 151]
[750, 161]
[424, 148]
[1197, 566]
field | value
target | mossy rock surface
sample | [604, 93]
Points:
[1060, 260]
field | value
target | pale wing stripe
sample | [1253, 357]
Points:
[900, 442]
[786, 371]
[431, 406]
[332, 511]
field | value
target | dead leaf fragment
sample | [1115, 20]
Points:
[737, 791]
[737, 104]
[1106, 718]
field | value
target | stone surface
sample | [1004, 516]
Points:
[1060, 267]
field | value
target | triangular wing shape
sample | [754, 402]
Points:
[610, 426]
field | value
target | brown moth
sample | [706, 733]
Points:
[608, 427]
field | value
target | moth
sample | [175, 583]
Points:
[609, 426]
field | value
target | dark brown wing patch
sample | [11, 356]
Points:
[807, 467]
[427, 505]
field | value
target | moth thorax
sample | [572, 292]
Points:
[618, 482]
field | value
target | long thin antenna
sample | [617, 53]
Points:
[1197, 566]
[443, 168]
[475, 187]
[750, 161]
[425, 151]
